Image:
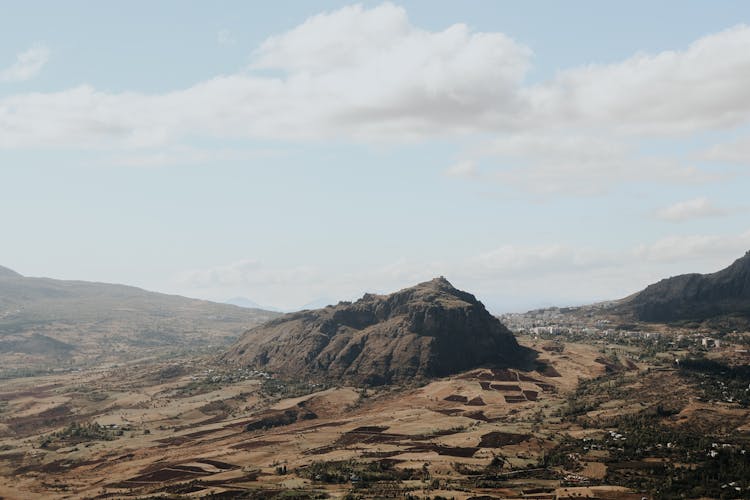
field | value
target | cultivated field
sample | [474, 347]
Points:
[190, 428]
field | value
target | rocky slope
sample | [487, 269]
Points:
[44, 320]
[431, 329]
[720, 297]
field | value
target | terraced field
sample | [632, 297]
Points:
[192, 429]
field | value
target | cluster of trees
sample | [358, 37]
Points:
[79, 433]
[279, 388]
[719, 381]
[363, 473]
[666, 461]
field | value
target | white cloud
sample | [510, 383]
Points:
[736, 152]
[692, 247]
[702, 87]
[510, 277]
[571, 164]
[690, 209]
[370, 75]
[28, 64]
[355, 73]
[464, 168]
[531, 261]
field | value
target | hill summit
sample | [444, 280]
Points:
[723, 296]
[8, 273]
[429, 330]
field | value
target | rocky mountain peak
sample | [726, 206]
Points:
[722, 296]
[430, 329]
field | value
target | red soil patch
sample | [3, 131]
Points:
[506, 387]
[217, 464]
[476, 415]
[531, 395]
[173, 441]
[328, 424]
[14, 458]
[174, 473]
[451, 412]
[278, 418]
[451, 451]
[356, 437]
[371, 428]
[499, 439]
[197, 434]
[57, 416]
[251, 445]
[43, 391]
[515, 399]
[477, 401]
[456, 398]
[56, 467]
[246, 478]
[504, 375]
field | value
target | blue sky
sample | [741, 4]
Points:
[535, 153]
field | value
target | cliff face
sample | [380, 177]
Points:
[696, 297]
[429, 330]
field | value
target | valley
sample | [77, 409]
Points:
[421, 393]
[582, 424]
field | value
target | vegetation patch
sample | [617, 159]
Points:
[353, 471]
[76, 433]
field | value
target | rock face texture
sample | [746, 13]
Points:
[720, 296]
[429, 330]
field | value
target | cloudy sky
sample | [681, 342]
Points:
[534, 153]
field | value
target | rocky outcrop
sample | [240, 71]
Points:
[723, 296]
[429, 330]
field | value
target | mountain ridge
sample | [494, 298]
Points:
[722, 296]
[6, 272]
[103, 320]
[428, 330]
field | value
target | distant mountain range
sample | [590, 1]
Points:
[429, 330]
[721, 299]
[79, 321]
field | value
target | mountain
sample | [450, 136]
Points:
[722, 297]
[8, 273]
[429, 330]
[43, 319]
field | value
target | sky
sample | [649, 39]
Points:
[534, 153]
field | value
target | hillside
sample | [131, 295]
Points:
[431, 329]
[43, 319]
[722, 297]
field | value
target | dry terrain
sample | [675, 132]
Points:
[190, 429]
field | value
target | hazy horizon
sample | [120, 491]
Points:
[535, 154]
